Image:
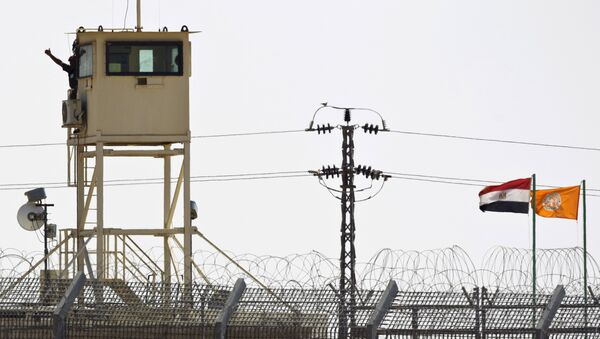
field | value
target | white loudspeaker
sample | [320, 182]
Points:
[30, 216]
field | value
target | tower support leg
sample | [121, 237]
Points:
[187, 220]
[100, 271]
[80, 203]
[166, 279]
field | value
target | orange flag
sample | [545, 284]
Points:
[560, 202]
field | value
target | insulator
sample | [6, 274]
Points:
[371, 128]
[330, 171]
[347, 117]
[323, 128]
[375, 175]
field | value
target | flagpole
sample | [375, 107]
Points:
[533, 256]
[585, 273]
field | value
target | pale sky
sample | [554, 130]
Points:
[518, 70]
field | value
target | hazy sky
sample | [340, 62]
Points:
[519, 70]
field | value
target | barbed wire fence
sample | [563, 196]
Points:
[442, 270]
[440, 293]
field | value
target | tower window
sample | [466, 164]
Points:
[85, 61]
[144, 58]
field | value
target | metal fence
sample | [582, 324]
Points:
[30, 308]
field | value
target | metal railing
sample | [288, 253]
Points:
[125, 260]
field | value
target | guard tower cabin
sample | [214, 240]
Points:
[134, 87]
[132, 95]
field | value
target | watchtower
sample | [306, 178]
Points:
[132, 95]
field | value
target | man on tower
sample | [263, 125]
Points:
[72, 68]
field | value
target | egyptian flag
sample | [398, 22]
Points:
[512, 196]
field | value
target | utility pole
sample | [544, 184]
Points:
[347, 171]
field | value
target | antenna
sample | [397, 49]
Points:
[138, 27]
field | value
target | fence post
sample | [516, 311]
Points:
[542, 326]
[415, 323]
[477, 305]
[383, 305]
[227, 311]
[483, 312]
[64, 306]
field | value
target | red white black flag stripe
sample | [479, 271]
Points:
[512, 196]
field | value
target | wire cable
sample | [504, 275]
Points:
[441, 181]
[62, 183]
[33, 145]
[504, 141]
[470, 180]
[450, 136]
[154, 181]
[125, 18]
[272, 175]
[245, 134]
[206, 136]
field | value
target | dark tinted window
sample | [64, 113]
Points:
[144, 58]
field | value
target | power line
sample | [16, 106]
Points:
[245, 134]
[206, 136]
[471, 180]
[435, 181]
[438, 135]
[238, 177]
[271, 175]
[505, 141]
[33, 145]
[155, 181]
[447, 178]
[461, 183]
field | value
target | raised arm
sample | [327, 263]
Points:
[55, 59]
